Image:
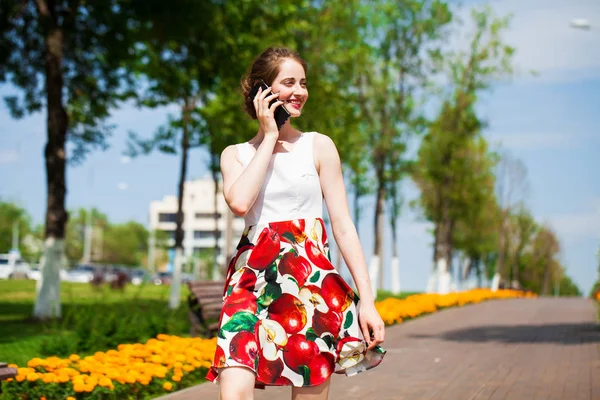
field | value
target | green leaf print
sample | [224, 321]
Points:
[221, 334]
[240, 321]
[315, 277]
[305, 372]
[271, 292]
[329, 340]
[271, 273]
[229, 290]
[349, 320]
[311, 335]
[289, 236]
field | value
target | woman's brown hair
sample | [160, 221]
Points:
[266, 67]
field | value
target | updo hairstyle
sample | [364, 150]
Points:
[266, 67]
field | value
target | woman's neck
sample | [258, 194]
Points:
[287, 133]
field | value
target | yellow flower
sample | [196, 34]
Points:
[70, 398]
[74, 357]
[32, 377]
[167, 386]
[79, 387]
[176, 378]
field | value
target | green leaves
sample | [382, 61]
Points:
[305, 372]
[271, 273]
[311, 335]
[271, 292]
[315, 277]
[349, 320]
[240, 321]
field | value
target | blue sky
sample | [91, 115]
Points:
[550, 122]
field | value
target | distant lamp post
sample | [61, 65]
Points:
[580, 23]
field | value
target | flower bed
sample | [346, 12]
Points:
[168, 363]
[133, 371]
[394, 311]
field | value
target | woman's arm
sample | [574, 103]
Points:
[242, 186]
[344, 232]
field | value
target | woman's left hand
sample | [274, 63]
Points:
[370, 321]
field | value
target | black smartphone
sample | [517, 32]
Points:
[281, 114]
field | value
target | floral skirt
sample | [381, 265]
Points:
[287, 313]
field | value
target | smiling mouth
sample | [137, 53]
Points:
[294, 103]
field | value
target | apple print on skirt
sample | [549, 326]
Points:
[287, 313]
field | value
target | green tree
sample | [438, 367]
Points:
[66, 57]
[441, 164]
[16, 220]
[541, 269]
[404, 36]
[125, 244]
[75, 234]
[523, 228]
[475, 231]
[567, 287]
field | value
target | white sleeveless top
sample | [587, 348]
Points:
[291, 189]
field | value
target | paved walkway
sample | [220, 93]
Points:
[542, 349]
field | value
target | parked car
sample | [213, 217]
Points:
[162, 278]
[81, 273]
[139, 276]
[13, 267]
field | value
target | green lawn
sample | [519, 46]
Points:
[22, 338]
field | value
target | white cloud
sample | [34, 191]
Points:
[537, 140]
[8, 156]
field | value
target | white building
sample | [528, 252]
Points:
[198, 219]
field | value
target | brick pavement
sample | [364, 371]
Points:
[542, 349]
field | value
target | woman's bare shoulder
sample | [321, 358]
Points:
[324, 145]
[323, 141]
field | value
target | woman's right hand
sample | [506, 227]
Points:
[264, 113]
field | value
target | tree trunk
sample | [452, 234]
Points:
[502, 246]
[215, 178]
[444, 252]
[395, 261]
[377, 260]
[47, 302]
[432, 280]
[174, 298]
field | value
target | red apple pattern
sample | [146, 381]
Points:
[295, 265]
[289, 331]
[266, 249]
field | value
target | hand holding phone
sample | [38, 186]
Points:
[280, 114]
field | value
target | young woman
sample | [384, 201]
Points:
[288, 317]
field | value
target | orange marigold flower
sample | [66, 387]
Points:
[79, 387]
[167, 386]
[176, 378]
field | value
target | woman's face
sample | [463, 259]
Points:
[290, 83]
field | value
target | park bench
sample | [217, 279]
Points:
[205, 301]
[6, 372]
